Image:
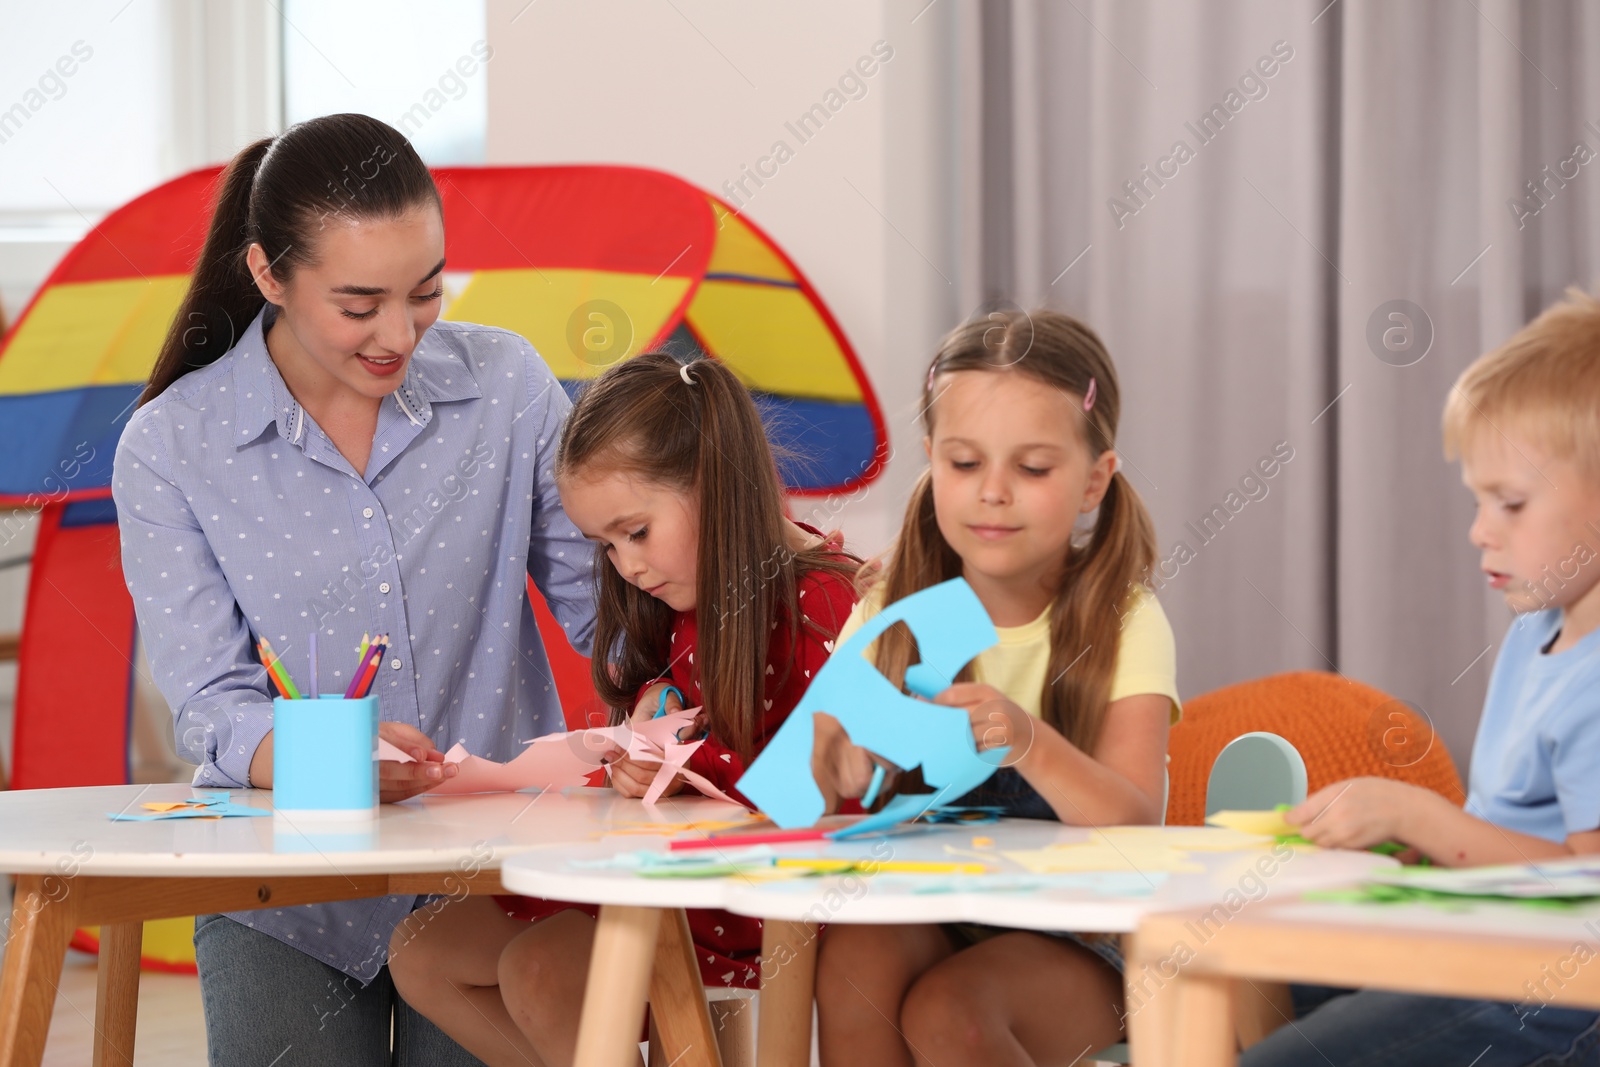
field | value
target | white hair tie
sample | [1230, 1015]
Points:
[683, 372]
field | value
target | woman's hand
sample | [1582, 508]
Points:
[841, 768]
[632, 778]
[398, 781]
[997, 720]
[1358, 813]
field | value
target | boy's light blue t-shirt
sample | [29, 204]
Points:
[1536, 762]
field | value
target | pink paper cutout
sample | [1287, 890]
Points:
[568, 759]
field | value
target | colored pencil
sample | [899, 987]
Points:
[735, 840]
[367, 669]
[378, 651]
[275, 667]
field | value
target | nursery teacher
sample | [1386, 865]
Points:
[316, 452]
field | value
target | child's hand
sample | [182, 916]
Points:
[632, 778]
[997, 720]
[841, 769]
[1357, 813]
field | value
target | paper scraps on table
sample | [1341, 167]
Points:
[204, 806]
[762, 862]
[1268, 823]
[568, 759]
[969, 815]
[1571, 879]
[951, 627]
[1185, 838]
[1137, 849]
[1100, 883]
[757, 861]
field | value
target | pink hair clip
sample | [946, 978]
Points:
[1088, 397]
[933, 371]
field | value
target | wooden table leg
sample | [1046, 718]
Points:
[116, 1006]
[1262, 1008]
[788, 987]
[678, 998]
[41, 926]
[619, 977]
[1205, 1034]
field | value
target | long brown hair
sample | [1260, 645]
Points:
[278, 193]
[1100, 571]
[703, 436]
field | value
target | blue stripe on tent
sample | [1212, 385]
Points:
[831, 443]
[53, 442]
[89, 513]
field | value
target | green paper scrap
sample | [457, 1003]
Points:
[1379, 894]
[214, 805]
[706, 863]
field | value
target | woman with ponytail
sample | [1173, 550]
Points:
[707, 596]
[316, 454]
[1023, 499]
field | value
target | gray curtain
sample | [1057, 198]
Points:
[1358, 209]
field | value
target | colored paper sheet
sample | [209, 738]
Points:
[950, 627]
[1100, 883]
[568, 759]
[1561, 879]
[1183, 838]
[1270, 823]
[204, 806]
[1099, 856]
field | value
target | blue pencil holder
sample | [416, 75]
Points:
[324, 759]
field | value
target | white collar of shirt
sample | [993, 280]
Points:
[435, 374]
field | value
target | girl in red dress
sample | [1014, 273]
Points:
[708, 596]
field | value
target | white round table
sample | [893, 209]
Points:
[77, 867]
[792, 909]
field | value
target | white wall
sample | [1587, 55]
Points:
[703, 88]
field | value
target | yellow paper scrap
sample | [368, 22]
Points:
[1185, 838]
[1269, 823]
[1099, 856]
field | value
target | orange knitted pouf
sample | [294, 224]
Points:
[1343, 729]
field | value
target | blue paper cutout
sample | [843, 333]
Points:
[214, 805]
[951, 627]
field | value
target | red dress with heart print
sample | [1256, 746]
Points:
[729, 946]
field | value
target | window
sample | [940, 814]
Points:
[417, 66]
[84, 108]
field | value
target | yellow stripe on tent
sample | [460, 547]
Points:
[92, 333]
[739, 251]
[581, 321]
[773, 338]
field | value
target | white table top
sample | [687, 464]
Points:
[68, 831]
[891, 898]
[1469, 918]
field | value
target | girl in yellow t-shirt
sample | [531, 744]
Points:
[1021, 417]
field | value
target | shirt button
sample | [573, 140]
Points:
[366, 513]
[383, 587]
[394, 664]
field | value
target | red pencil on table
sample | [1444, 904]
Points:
[735, 839]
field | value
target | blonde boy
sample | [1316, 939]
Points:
[1525, 423]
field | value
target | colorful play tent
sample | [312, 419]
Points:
[593, 264]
